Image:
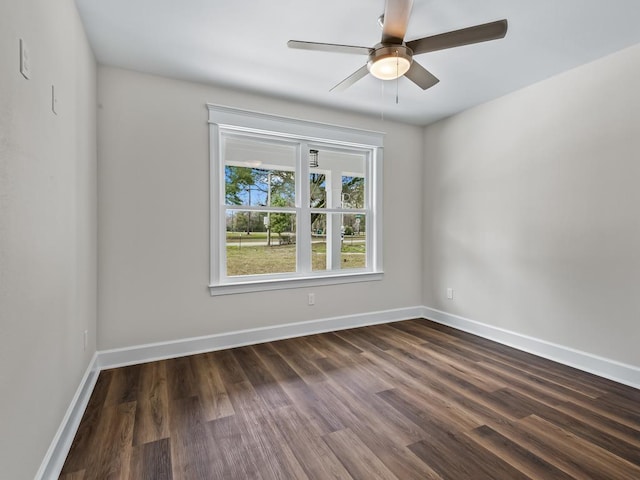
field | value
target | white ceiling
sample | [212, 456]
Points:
[243, 44]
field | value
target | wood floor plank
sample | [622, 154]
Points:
[472, 401]
[389, 446]
[111, 450]
[410, 400]
[516, 455]
[442, 451]
[315, 457]
[152, 461]
[352, 372]
[230, 371]
[389, 423]
[581, 382]
[260, 377]
[324, 419]
[624, 408]
[505, 373]
[360, 462]
[190, 441]
[551, 447]
[524, 382]
[364, 340]
[271, 456]
[293, 350]
[124, 385]
[181, 379]
[456, 365]
[595, 458]
[211, 389]
[601, 422]
[231, 449]
[429, 398]
[152, 404]
[527, 406]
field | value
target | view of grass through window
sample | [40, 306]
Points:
[250, 255]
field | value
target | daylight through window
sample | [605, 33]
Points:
[281, 221]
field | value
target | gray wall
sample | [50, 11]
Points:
[154, 216]
[532, 210]
[47, 226]
[526, 206]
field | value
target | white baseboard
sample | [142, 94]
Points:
[190, 346]
[603, 367]
[53, 461]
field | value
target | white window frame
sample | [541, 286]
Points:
[307, 135]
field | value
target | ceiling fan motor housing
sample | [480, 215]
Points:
[389, 61]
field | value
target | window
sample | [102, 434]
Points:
[293, 203]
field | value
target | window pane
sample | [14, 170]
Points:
[338, 241]
[353, 253]
[259, 172]
[260, 252]
[352, 191]
[317, 190]
[318, 241]
[338, 181]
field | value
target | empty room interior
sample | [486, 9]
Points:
[378, 239]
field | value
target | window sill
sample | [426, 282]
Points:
[302, 282]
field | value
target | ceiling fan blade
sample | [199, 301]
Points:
[351, 79]
[396, 19]
[328, 47]
[421, 76]
[458, 38]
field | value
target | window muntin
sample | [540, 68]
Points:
[269, 227]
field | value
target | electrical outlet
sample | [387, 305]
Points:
[450, 293]
[85, 339]
[312, 299]
[54, 100]
[25, 60]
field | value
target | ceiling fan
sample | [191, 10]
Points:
[393, 57]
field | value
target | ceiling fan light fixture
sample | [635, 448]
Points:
[389, 62]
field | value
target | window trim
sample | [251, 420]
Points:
[308, 134]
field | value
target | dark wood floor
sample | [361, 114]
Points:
[408, 400]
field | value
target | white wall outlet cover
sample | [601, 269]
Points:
[25, 60]
[450, 293]
[54, 100]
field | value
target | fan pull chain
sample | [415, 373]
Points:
[397, 75]
[382, 101]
